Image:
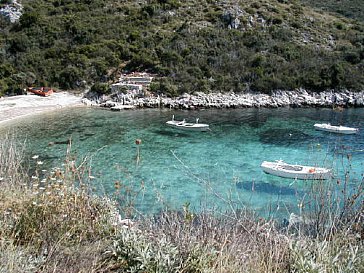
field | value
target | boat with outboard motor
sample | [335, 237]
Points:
[282, 169]
[189, 126]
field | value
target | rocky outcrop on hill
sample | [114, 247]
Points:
[296, 98]
[12, 11]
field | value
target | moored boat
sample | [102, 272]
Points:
[41, 91]
[335, 129]
[183, 125]
[282, 169]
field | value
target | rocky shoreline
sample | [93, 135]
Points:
[296, 98]
[12, 11]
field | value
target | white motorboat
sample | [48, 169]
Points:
[282, 169]
[335, 129]
[183, 125]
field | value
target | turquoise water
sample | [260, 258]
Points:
[216, 169]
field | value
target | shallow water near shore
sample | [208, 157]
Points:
[215, 169]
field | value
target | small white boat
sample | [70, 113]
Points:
[183, 125]
[335, 129]
[282, 169]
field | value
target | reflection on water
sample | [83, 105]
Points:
[263, 187]
[206, 169]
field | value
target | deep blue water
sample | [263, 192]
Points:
[216, 169]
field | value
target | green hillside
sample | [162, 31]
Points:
[349, 8]
[190, 45]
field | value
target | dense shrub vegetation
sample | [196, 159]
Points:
[190, 45]
[349, 8]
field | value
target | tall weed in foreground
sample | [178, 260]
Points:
[51, 222]
[47, 214]
[341, 253]
[12, 169]
[206, 242]
[329, 232]
[325, 237]
[333, 206]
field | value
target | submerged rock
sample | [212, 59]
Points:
[263, 187]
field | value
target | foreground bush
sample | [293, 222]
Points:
[342, 253]
[45, 215]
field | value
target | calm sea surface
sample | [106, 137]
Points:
[216, 169]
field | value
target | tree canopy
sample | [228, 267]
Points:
[189, 45]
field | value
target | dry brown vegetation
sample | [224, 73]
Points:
[51, 222]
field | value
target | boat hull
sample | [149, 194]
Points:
[285, 170]
[41, 91]
[181, 125]
[335, 129]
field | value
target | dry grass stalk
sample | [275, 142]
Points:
[51, 222]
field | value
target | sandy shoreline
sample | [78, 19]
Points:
[20, 106]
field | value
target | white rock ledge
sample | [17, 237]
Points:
[296, 98]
